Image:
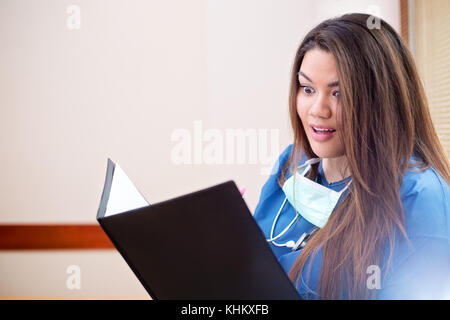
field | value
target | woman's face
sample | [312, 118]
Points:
[318, 103]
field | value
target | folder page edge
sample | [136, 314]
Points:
[106, 188]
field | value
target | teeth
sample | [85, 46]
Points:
[323, 130]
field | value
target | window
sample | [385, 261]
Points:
[429, 41]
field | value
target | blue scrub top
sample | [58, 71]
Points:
[418, 271]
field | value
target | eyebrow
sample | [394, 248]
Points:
[331, 84]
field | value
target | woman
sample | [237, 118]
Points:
[371, 194]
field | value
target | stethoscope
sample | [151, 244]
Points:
[294, 245]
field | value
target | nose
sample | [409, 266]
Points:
[321, 107]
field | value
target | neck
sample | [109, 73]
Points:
[335, 169]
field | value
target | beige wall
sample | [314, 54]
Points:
[119, 87]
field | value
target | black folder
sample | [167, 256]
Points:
[202, 245]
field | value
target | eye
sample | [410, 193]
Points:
[307, 90]
[337, 93]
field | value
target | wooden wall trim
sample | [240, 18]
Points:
[53, 236]
[404, 21]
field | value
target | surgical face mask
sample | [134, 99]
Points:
[313, 201]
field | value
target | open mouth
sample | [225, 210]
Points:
[323, 130]
[321, 133]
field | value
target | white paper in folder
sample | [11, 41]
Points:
[124, 195]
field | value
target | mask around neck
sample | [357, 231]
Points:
[311, 200]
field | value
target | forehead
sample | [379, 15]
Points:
[319, 65]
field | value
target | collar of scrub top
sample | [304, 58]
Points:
[294, 245]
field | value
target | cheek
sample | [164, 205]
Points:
[302, 110]
[337, 115]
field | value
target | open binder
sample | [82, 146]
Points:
[202, 245]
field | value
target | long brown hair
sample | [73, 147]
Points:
[385, 120]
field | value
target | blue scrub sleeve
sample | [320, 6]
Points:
[422, 270]
[423, 274]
